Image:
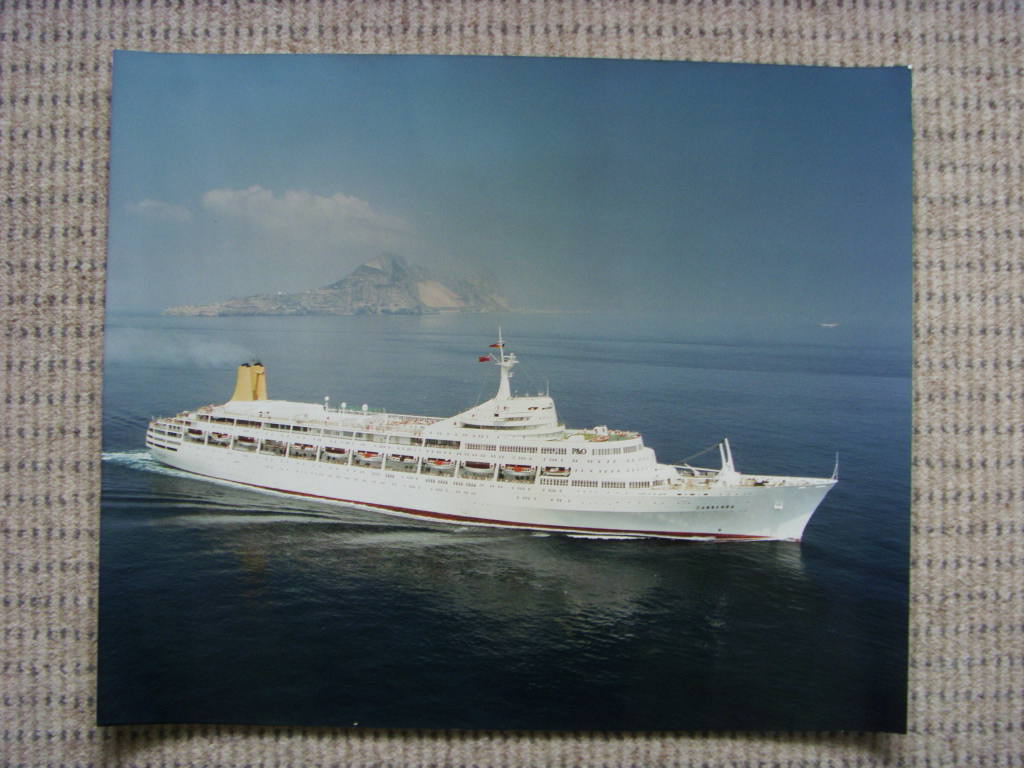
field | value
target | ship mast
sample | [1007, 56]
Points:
[505, 363]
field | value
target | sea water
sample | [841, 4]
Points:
[220, 604]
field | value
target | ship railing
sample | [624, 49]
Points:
[599, 435]
[757, 481]
[607, 437]
[778, 481]
[686, 470]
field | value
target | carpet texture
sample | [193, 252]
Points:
[967, 656]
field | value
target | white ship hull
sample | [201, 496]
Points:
[506, 462]
[751, 513]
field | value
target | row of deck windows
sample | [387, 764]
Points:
[375, 437]
[616, 451]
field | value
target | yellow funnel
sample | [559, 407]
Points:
[250, 382]
[259, 382]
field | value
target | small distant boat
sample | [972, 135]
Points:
[828, 325]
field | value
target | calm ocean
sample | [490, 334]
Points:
[225, 605]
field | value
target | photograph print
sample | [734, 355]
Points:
[506, 393]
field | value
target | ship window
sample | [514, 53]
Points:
[279, 426]
[430, 442]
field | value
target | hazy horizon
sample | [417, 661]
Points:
[742, 199]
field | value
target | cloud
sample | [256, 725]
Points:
[301, 217]
[160, 211]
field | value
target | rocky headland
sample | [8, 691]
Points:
[387, 285]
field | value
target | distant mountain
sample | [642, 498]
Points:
[386, 285]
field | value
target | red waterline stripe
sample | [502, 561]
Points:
[485, 521]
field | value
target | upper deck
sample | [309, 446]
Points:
[284, 415]
[273, 414]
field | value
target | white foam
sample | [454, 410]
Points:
[140, 460]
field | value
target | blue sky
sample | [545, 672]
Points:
[734, 197]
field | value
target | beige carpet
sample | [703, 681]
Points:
[967, 660]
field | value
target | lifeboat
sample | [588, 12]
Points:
[220, 438]
[517, 471]
[334, 454]
[555, 471]
[477, 467]
[404, 461]
[368, 457]
[442, 465]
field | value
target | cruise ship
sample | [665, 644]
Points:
[506, 462]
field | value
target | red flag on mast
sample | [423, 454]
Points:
[497, 346]
[484, 359]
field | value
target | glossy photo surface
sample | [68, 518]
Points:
[689, 251]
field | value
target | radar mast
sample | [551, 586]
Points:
[505, 363]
